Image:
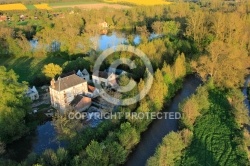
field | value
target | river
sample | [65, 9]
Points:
[159, 128]
[244, 91]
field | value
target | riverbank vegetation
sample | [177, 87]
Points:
[216, 116]
[215, 121]
[14, 107]
[209, 39]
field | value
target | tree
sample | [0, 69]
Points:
[117, 154]
[167, 74]
[190, 110]
[51, 70]
[14, 106]
[225, 63]
[169, 151]
[158, 91]
[65, 127]
[58, 158]
[49, 158]
[171, 28]
[179, 67]
[96, 154]
[196, 26]
[128, 136]
[157, 27]
[2, 148]
[239, 109]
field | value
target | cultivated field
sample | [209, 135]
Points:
[43, 6]
[93, 6]
[84, 5]
[15, 6]
[140, 2]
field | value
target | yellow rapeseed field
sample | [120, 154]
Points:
[15, 6]
[142, 2]
[42, 6]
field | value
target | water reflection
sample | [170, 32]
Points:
[37, 142]
[99, 42]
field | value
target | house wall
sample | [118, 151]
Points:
[99, 80]
[86, 77]
[33, 96]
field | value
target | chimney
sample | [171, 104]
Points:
[52, 83]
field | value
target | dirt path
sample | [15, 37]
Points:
[94, 6]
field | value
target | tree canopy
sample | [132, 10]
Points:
[51, 70]
[14, 106]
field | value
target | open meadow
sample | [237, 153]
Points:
[140, 2]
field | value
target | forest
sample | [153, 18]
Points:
[210, 40]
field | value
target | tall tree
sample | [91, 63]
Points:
[179, 67]
[169, 151]
[226, 64]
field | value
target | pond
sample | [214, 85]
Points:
[37, 142]
[100, 42]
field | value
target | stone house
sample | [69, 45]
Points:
[64, 90]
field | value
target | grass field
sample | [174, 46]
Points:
[73, 3]
[216, 135]
[28, 68]
[30, 7]
[140, 2]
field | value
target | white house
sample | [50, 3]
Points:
[32, 93]
[83, 74]
[104, 78]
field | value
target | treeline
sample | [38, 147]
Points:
[212, 132]
[14, 108]
[213, 120]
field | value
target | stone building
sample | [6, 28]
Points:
[64, 90]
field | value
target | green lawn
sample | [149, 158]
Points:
[216, 138]
[30, 7]
[22, 23]
[75, 3]
[27, 68]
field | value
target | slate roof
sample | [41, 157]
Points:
[102, 74]
[80, 102]
[68, 82]
[76, 100]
